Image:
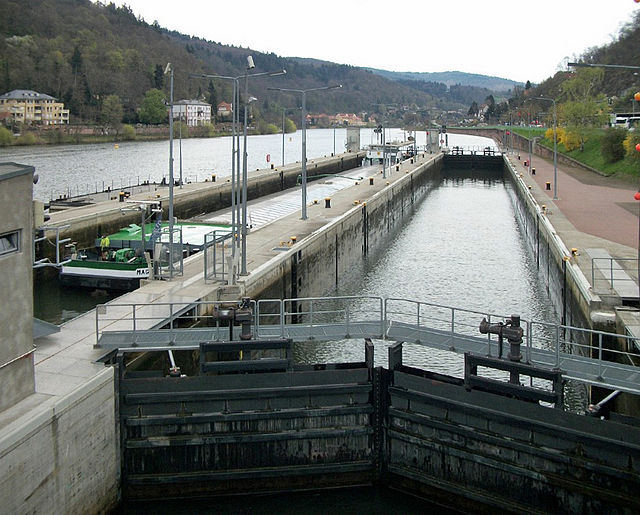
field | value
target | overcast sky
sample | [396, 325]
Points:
[505, 38]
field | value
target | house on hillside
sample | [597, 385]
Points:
[193, 112]
[224, 110]
[30, 107]
[350, 119]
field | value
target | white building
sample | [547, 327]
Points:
[192, 112]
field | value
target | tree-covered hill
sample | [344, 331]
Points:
[455, 78]
[617, 85]
[82, 52]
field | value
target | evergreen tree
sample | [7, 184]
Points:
[76, 64]
[158, 77]
[213, 96]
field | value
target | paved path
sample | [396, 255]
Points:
[595, 214]
[597, 205]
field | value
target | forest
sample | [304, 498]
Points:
[90, 54]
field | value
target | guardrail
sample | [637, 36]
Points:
[336, 318]
[474, 150]
[612, 272]
[216, 249]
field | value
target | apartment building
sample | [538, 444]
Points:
[192, 112]
[30, 107]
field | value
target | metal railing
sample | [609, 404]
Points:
[612, 272]
[474, 150]
[216, 251]
[589, 353]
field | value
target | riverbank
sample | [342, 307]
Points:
[88, 134]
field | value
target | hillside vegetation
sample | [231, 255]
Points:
[81, 52]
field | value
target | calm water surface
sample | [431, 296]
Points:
[80, 169]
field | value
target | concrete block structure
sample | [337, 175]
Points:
[16, 283]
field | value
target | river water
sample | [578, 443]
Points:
[79, 169]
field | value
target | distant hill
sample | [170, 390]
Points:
[453, 78]
[82, 52]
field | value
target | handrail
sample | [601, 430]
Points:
[613, 266]
[313, 317]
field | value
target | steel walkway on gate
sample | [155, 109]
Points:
[402, 320]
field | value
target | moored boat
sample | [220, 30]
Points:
[123, 261]
[121, 270]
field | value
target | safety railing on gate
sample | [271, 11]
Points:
[216, 251]
[315, 316]
[168, 317]
[459, 324]
[592, 356]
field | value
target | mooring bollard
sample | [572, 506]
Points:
[213, 177]
[370, 181]
[548, 186]
[533, 171]
[327, 202]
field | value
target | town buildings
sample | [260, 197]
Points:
[224, 111]
[26, 106]
[194, 113]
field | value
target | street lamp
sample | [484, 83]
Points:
[169, 70]
[304, 92]
[597, 65]
[555, 146]
[235, 157]
[246, 76]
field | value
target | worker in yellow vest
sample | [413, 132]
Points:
[104, 246]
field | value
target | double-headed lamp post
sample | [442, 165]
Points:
[235, 145]
[246, 76]
[304, 92]
[169, 70]
[555, 146]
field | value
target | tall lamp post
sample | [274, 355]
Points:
[169, 70]
[555, 146]
[235, 146]
[304, 92]
[243, 202]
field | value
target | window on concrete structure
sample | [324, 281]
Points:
[9, 242]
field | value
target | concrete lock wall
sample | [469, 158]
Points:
[321, 262]
[66, 458]
[567, 287]
[207, 198]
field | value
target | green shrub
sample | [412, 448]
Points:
[55, 136]
[28, 138]
[128, 132]
[612, 144]
[6, 138]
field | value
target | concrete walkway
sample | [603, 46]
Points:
[597, 216]
[596, 205]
